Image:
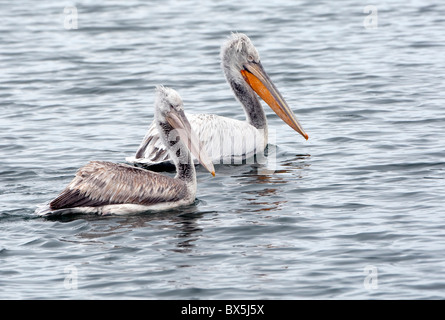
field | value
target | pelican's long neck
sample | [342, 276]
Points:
[252, 107]
[255, 114]
[179, 154]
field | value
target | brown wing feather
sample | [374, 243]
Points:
[102, 183]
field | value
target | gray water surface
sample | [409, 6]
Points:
[355, 212]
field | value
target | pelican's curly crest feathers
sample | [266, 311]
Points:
[169, 95]
[238, 44]
[236, 41]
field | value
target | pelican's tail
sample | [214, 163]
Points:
[43, 209]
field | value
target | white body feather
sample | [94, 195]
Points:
[225, 141]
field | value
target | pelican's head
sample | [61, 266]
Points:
[237, 52]
[167, 101]
[241, 64]
[169, 112]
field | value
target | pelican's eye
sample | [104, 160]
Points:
[175, 107]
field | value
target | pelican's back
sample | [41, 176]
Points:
[226, 141]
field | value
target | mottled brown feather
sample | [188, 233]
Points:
[103, 183]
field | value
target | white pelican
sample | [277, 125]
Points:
[108, 188]
[227, 139]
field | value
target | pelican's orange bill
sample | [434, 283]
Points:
[260, 82]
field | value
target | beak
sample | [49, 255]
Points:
[179, 122]
[260, 82]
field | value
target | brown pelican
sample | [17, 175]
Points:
[109, 188]
[227, 139]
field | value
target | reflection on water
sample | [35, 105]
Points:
[184, 221]
[266, 192]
